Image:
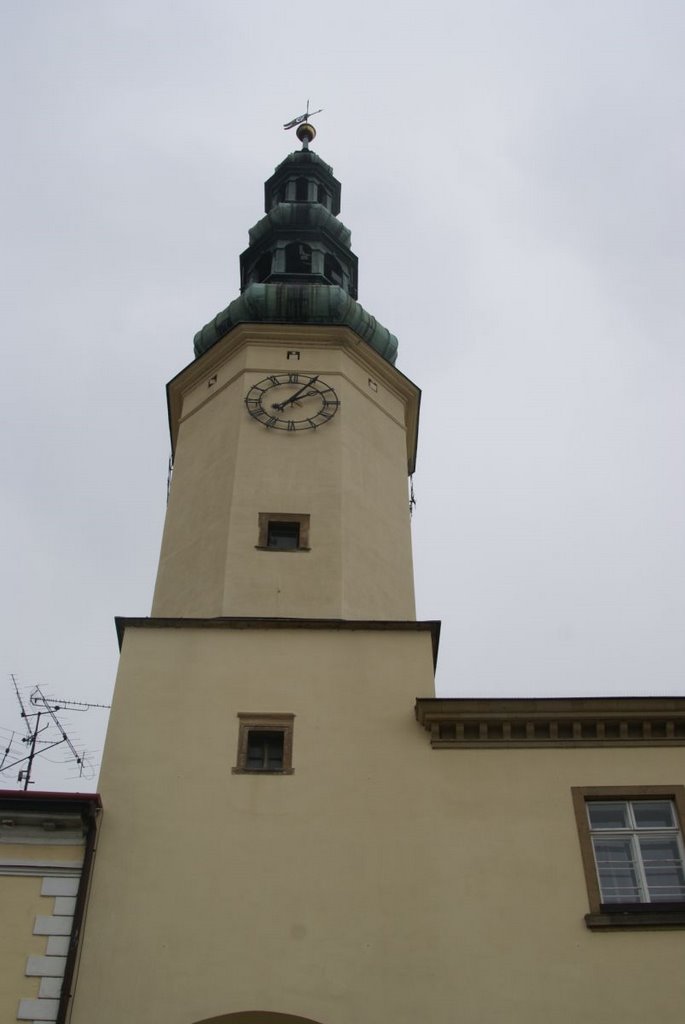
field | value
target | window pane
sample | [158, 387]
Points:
[264, 751]
[663, 869]
[255, 756]
[274, 751]
[618, 879]
[283, 535]
[653, 813]
[609, 814]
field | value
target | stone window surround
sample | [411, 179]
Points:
[279, 721]
[264, 518]
[611, 916]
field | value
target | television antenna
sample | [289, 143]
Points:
[44, 731]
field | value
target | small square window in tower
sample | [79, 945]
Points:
[265, 743]
[283, 531]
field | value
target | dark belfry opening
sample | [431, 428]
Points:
[298, 258]
[263, 266]
[322, 195]
[332, 269]
[301, 190]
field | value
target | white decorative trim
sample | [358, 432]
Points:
[58, 945]
[50, 988]
[60, 886]
[45, 966]
[65, 906]
[51, 925]
[67, 868]
[38, 1009]
[41, 837]
[58, 926]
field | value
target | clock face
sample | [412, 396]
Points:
[292, 401]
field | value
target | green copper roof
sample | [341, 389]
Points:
[299, 217]
[308, 156]
[299, 267]
[303, 161]
[298, 304]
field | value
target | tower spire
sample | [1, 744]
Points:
[299, 267]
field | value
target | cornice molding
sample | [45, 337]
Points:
[456, 723]
[268, 623]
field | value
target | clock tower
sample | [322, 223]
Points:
[292, 432]
[262, 715]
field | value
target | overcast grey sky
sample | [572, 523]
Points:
[513, 178]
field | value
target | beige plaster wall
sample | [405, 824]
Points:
[349, 475]
[381, 881]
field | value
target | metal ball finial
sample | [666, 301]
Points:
[306, 133]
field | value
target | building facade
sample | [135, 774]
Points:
[342, 845]
[46, 852]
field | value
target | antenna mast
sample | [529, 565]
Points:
[47, 710]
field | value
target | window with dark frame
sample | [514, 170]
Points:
[265, 743]
[633, 854]
[283, 531]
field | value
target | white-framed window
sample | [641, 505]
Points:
[631, 845]
[638, 850]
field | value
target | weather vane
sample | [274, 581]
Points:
[305, 132]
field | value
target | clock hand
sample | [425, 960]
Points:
[288, 401]
[295, 401]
